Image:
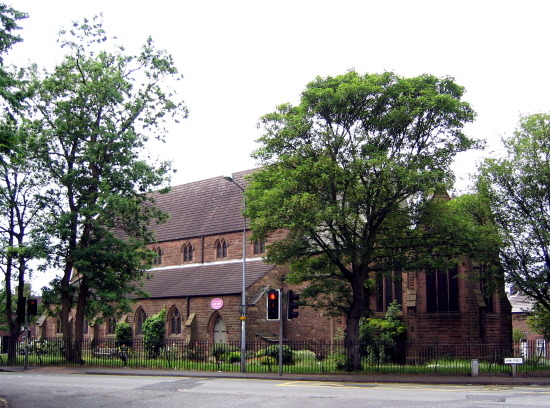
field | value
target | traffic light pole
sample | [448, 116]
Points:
[27, 331]
[281, 332]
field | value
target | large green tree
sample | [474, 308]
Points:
[91, 117]
[517, 186]
[21, 234]
[346, 173]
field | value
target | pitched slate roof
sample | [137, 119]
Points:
[206, 207]
[210, 279]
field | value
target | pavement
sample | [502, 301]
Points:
[540, 379]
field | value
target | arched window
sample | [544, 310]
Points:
[442, 291]
[158, 258]
[389, 289]
[58, 326]
[175, 321]
[187, 253]
[141, 316]
[221, 249]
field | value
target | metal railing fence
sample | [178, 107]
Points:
[308, 357]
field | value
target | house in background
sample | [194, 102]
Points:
[531, 343]
[197, 277]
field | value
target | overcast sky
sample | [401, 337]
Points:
[242, 58]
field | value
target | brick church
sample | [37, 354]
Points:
[197, 277]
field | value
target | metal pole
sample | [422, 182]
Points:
[27, 331]
[281, 297]
[243, 294]
[243, 315]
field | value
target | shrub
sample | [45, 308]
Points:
[196, 352]
[233, 357]
[226, 353]
[123, 334]
[378, 337]
[273, 351]
[303, 355]
[263, 360]
[153, 333]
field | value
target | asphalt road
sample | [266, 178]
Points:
[32, 390]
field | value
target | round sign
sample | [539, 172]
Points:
[216, 304]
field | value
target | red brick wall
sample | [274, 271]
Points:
[471, 324]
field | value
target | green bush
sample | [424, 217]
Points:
[44, 347]
[195, 352]
[273, 351]
[233, 357]
[123, 334]
[379, 337]
[226, 353]
[153, 333]
[303, 356]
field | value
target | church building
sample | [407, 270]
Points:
[198, 277]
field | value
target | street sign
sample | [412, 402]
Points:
[513, 360]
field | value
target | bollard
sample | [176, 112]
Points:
[475, 367]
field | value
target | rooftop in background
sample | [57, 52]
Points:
[217, 278]
[521, 303]
[206, 207]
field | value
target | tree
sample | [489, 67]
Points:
[345, 173]
[21, 238]
[91, 118]
[539, 321]
[517, 186]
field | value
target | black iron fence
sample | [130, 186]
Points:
[308, 357]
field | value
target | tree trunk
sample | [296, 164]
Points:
[15, 331]
[80, 316]
[14, 325]
[353, 317]
[66, 306]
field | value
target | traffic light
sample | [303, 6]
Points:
[273, 304]
[292, 305]
[32, 307]
[21, 302]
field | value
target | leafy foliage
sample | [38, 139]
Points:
[539, 321]
[123, 334]
[273, 352]
[153, 333]
[226, 353]
[379, 336]
[22, 238]
[347, 173]
[8, 81]
[89, 120]
[517, 187]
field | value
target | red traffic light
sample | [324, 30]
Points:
[273, 304]
[32, 307]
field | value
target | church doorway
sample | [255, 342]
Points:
[219, 330]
